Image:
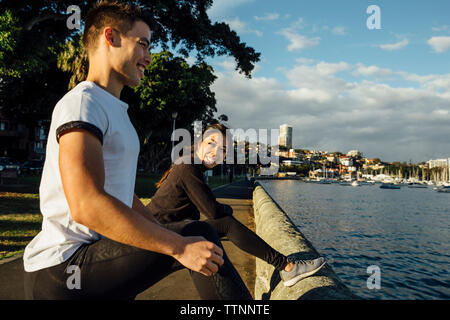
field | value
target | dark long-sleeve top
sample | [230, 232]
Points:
[184, 194]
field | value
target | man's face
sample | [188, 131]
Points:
[132, 55]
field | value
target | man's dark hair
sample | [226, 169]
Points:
[117, 14]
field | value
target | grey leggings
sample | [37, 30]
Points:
[112, 270]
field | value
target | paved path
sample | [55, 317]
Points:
[178, 285]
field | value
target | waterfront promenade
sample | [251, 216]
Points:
[178, 285]
[258, 211]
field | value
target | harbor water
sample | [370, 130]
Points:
[405, 233]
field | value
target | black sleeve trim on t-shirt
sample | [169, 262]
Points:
[79, 125]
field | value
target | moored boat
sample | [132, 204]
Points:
[389, 186]
[355, 184]
[445, 189]
[417, 185]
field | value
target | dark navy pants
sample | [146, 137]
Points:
[112, 270]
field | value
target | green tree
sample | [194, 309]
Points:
[184, 24]
[376, 160]
[27, 69]
[33, 33]
[300, 151]
[9, 30]
[302, 169]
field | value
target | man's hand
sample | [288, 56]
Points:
[201, 256]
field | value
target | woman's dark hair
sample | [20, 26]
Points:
[210, 128]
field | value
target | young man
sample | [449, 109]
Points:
[98, 240]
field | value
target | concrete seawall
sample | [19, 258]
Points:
[274, 226]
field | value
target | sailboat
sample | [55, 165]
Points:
[325, 181]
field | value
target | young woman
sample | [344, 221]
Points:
[182, 194]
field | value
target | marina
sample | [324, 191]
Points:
[386, 184]
[404, 232]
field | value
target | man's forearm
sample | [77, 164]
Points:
[113, 219]
[142, 209]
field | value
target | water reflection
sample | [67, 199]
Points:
[405, 232]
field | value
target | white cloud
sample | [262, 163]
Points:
[394, 46]
[191, 60]
[415, 77]
[443, 28]
[327, 69]
[298, 41]
[228, 64]
[368, 71]
[268, 17]
[319, 78]
[297, 24]
[241, 26]
[329, 112]
[236, 24]
[339, 30]
[441, 112]
[437, 83]
[222, 8]
[305, 61]
[439, 44]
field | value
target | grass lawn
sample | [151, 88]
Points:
[20, 218]
[20, 221]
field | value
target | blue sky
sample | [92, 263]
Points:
[340, 85]
[340, 30]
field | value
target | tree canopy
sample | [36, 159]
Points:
[34, 35]
[39, 55]
[30, 28]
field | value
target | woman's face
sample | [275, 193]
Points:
[212, 149]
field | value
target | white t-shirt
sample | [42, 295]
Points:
[92, 108]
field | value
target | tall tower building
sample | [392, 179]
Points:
[285, 138]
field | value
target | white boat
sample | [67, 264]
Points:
[355, 184]
[445, 189]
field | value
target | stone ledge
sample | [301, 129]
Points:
[274, 226]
